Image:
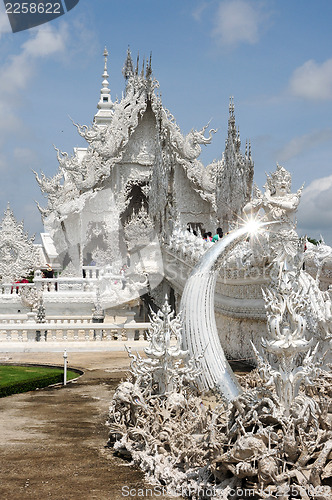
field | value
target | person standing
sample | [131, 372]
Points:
[218, 235]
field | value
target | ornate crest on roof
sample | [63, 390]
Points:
[139, 229]
[18, 256]
[122, 138]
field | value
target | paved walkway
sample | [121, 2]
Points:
[52, 441]
[70, 346]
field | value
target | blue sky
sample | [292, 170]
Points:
[273, 56]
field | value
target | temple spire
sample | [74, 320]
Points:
[233, 134]
[148, 72]
[231, 107]
[234, 178]
[105, 105]
[128, 68]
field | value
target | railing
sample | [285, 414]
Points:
[22, 319]
[41, 332]
[65, 284]
[14, 288]
[91, 276]
[90, 272]
[86, 283]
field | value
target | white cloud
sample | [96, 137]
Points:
[315, 210]
[46, 41]
[197, 13]
[4, 23]
[19, 71]
[25, 155]
[298, 145]
[312, 80]
[239, 21]
[3, 164]
[9, 121]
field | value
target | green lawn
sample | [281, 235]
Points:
[15, 379]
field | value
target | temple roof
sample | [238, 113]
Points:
[113, 126]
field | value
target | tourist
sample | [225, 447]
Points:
[209, 238]
[191, 230]
[123, 276]
[218, 236]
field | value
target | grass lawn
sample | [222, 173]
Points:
[15, 379]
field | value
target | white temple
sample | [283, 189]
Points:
[115, 202]
[123, 230]
[137, 176]
[125, 215]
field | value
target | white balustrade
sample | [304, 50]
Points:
[13, 288]
[74, 331]
[22, 318]
[90, 272]
[86, 283]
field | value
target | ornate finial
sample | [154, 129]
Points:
[105, 104]
[105, 55]
[233, 139]
[105, 89]
[128, 68]
[149, 67]
[105, 74]
[231, 107]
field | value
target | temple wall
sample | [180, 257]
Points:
[235, 335]
[94, 215]
[189, 204]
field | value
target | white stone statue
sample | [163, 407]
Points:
[166, 366]
[286, 303]
[267, 445]
[279, 206]
[18, 255]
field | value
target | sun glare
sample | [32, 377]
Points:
[252, 225]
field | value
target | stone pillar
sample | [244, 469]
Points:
[31, 334]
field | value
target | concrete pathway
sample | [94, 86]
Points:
[52, 441]
[70, 346]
